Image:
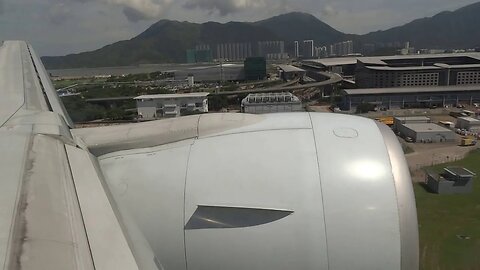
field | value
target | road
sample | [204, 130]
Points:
[333, 79]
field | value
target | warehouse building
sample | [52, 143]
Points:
[468, 123]
[454, 180]
[411, 97]
[162, 106]
[289, 72]
[426, 133]
[421, 129]
[271, 103]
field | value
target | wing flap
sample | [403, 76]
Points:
[47, 230]
[109, 246]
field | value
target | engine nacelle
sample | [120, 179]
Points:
[281, 191]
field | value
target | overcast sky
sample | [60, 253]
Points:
[58, 27]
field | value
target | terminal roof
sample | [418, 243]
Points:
[290, 68]
[381, 60]
[386, 68]
[413, 118]
[411, 90]
[169, 96]
[426, 127]
[327, 62]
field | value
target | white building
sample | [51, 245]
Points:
[308, 49]
[159, 106]
[297, 49]
[271, 103]
[421, 129]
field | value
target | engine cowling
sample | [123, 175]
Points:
[281, 191]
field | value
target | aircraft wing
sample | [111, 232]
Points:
[46, 221]
[215, 191]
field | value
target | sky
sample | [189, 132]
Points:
[59, 27]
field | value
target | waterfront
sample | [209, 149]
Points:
[180, 70]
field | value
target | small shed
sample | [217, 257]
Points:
[454, 180]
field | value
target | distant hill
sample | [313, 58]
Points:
[302, 26]
[164, 42]
[167, 41]
[446, 30]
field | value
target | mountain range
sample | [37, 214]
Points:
[167, 41]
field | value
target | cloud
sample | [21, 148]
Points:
[134, 15]
[137, 10]
[329, 11]
[58, 13]
[362, 22]
[1, 7]
[225, 7]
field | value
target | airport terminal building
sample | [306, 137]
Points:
[405, 70]
[411, 97]
[418, 70]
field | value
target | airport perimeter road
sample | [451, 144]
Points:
[431, 154]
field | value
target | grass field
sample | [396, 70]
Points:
[442, 218]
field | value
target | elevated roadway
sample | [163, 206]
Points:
[333, 78]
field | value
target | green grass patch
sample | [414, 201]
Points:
[442, 218]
